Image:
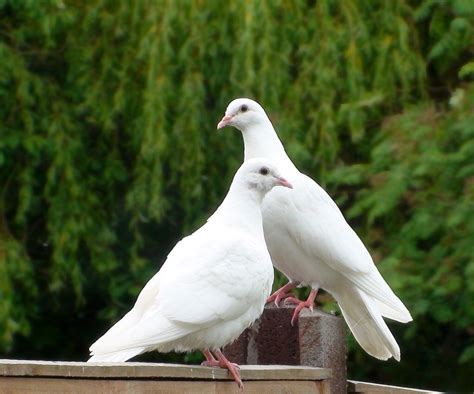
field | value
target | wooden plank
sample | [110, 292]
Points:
[19, 385]
[155, 371]
[364, 387]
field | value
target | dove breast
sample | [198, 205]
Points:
[228, 292]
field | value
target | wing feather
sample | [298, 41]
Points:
[324, 234]
[223, 281]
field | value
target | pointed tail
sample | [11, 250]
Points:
[367, 325]
[135, 334]
[118, 356]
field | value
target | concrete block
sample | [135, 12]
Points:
[318, 340]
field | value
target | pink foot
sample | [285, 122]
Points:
[309, 303]
[282, 292]
[210, 360]
[232, 367]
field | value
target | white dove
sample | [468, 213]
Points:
[213, 285]
[310, 241]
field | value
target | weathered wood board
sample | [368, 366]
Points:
[366, 388]
[22, 376]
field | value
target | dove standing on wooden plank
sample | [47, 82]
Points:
[310, 242]
[213, 285]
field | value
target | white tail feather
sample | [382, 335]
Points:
[388, 304]
[367, 325]
[134, 334]
[119, 356]
[390, 313]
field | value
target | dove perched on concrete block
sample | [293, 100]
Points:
[213, 285]
[310, 241]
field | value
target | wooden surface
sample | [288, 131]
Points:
[153, 370]
[364, 387]
[23, 376]
[116, 386]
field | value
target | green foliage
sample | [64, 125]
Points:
[109, 154]
[450, 31]
[416, 199]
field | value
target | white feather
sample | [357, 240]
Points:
[310, 241]
[212, 286]
[367, 325]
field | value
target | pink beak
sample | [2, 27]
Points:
[284, 182]
[224, 122]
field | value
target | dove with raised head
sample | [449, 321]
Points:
[310, 242]
[213, 285]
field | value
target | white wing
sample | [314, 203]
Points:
[217, 282]
[320, 229]
[205, 279]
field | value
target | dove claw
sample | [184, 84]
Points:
[211, 364]
[210, 359]
[309, 303]
[282, 293]
[232, 367]
[292, 300]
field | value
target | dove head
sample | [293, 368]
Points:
[242, 204]
[260, 175]
[243, 113]
[260, 138]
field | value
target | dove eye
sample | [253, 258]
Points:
[264, 171]
[244, 108]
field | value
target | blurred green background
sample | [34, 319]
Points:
[109, 154]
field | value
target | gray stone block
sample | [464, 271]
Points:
[318, 340]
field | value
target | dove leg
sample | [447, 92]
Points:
[282, 292]
[210, 359]
[309, 303]
[232, 367]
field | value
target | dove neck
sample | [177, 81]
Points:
[241, 208]
[261, 140]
